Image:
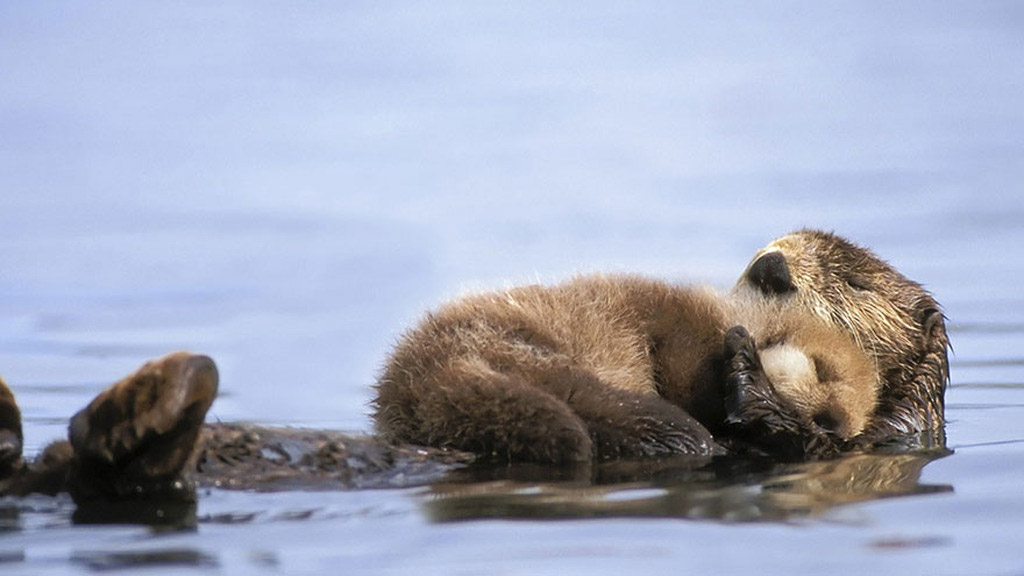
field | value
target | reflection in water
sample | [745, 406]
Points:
[157, 514]
[720, 489]
[136, 560]
[10, 517]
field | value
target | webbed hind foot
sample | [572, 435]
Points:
[136, 437]
[10, 433]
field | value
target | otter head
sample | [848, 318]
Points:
[895, 321]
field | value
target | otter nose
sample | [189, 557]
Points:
[771, 275]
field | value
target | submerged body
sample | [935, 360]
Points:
[144, 438]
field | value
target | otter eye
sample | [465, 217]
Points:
[857, 284]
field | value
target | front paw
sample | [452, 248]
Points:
[748, 392]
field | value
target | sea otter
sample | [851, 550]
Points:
[143, 438]
[136, 436]
[624, 366]
[10, 431]
[608, 367]
[826, 298]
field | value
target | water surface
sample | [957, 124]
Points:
[286, 187]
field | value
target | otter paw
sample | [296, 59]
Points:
[626, 425]
[10, 432]
[141, 432]
[748, 392]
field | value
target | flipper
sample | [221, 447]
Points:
[11, 439]
[136, 438]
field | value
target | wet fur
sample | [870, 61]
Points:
[634, 367]
[134, 440]
[801, 390]
[10, 432]
[143, 439]
[534, 372]
[895, 321]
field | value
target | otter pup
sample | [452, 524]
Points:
[610, 366]
[622, 366]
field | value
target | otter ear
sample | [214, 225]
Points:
[934, 323]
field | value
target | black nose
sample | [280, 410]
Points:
[771, 275]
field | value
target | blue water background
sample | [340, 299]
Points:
[286, 186]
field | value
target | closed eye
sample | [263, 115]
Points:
[857, 284]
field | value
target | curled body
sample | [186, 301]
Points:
[612, 366]
[821, 347]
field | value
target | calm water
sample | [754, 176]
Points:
[287, 186]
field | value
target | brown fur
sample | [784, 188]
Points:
[139, 434]
[845, 352]
[530, 372]
[602, 365]
[897, 323]
[135, 439]
[817, 371]
[143, 438]
[10, 432]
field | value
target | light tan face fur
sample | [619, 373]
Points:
[849, 287]
[849, 290]
[843, 406]
[815, 367]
